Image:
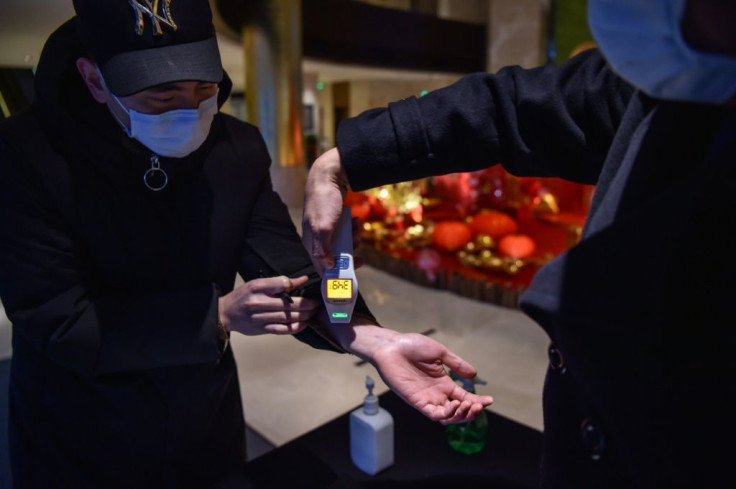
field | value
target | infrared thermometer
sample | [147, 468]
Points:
[339, 285]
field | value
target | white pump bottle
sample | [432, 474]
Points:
[371, 434]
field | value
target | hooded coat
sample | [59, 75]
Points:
[641, 387]
[118, 376]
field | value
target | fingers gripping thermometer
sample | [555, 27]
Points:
[339, 284]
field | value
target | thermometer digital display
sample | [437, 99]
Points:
[339, 284]
[339, 288]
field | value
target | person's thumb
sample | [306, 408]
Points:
[458, 365]
[281, 283]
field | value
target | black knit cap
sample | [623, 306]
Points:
[141, 43]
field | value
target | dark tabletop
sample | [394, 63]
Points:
[422, 457]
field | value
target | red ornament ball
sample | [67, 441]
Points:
[493, 223]
[517, 245]
[451, 235]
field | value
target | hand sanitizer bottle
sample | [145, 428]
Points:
[469, 437]
[371, 434]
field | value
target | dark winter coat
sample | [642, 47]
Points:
[641, 388]
[118, 376]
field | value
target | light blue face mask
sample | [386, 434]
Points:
[175, 133]
[642, 41]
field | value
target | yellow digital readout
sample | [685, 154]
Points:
[339, 288]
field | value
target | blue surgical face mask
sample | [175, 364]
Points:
[175, 133]
[643, 43]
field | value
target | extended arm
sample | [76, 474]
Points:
[547, 121]
[411, 364]
[414, 367]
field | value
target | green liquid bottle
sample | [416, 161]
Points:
[469, 437]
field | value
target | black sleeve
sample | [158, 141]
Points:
[273, 247]
[547, 121]
[54, 306]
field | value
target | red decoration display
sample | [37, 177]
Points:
[481, 234]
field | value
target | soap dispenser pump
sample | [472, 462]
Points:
[469, 437]
[371, 434]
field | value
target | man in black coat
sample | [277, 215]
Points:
[128, 204]
[641, 387]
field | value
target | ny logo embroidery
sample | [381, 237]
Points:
[150, 9]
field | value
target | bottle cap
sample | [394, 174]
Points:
[370, 402]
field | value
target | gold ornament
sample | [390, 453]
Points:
[484, 241]
[545, 202]
[399, 198]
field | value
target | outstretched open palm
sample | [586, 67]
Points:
[414, 368]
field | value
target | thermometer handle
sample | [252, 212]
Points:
[339, 283]
[342, 239]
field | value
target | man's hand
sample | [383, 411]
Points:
[324, 195]
[262, 306]
[413, 366]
